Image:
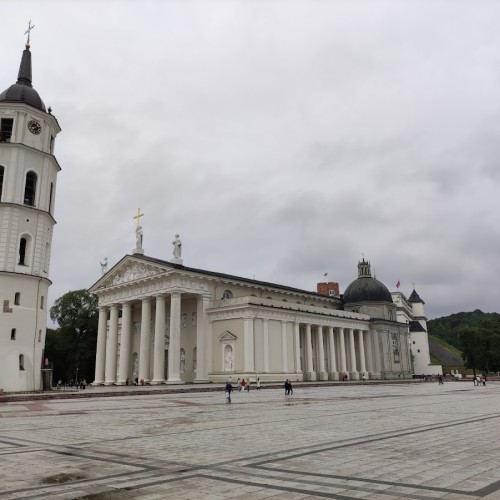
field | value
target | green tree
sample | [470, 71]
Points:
[471, 349]
[71, 348]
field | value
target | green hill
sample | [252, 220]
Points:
[448, 327]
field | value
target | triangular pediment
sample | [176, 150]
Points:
[227, 336]
[129, 270]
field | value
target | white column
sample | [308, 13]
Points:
[284, 347]
[112, 346]
[248, 364]
[369, 352]
[174, 349]
[343, 362]
[202, 329]
[361, 353]
[159, 342]
[100, 357]
[296, 337]
[310, 375]
[265, 343]
[126, 338]
[378, 361]
[333, 373]
[145, 345]
[352, 350]
[322, 375]
[209, 347]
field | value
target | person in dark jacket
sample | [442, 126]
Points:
[229, 390]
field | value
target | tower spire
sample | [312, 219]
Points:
[24, 75]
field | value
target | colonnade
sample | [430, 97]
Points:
[107, 341]
[348, 351]
[319, 352]
[354, 357]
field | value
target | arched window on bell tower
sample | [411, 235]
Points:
[30, 189]
[2, 170]
[24, 250]
[50, 197]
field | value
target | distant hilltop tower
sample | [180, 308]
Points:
[28, 175]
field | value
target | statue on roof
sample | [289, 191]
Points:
[104, 266]
[138, 233]
[177, 250]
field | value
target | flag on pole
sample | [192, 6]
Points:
[398, 284]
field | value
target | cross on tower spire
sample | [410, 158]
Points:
[28, 32]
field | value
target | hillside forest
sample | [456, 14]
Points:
[476, 334]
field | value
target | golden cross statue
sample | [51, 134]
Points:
[138, 217]
[27, 32]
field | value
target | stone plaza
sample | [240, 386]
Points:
[383, 441]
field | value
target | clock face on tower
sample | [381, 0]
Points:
[34, 127]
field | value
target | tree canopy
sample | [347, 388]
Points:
[71, 347]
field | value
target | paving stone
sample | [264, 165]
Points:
[381, 442]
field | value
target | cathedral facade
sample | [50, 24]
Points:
[28, 175]
[162, 322]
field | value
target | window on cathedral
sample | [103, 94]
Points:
[52, 144]
[2, 169]
[6, 126]
[21, 362]
[39, 335]
[227, 294]
[30, 189]
[13, 334]
[17, 299]
[42, 302]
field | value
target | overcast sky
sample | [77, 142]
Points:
[281, 139]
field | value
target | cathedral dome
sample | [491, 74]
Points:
[22, 91]
[366, 288]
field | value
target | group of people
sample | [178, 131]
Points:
[479, 380]
[244, 385]
[288, 388]
[72, 384]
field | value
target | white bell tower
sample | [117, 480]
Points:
[28, 175]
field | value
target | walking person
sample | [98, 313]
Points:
[229, 390]
[248, 385]
[258, 383]
[440, 380]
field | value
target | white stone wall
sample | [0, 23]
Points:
[30, 322]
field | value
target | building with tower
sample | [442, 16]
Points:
[28, 176]
[163, 322]
[411, 311]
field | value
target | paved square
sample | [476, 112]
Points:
[383, 442]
